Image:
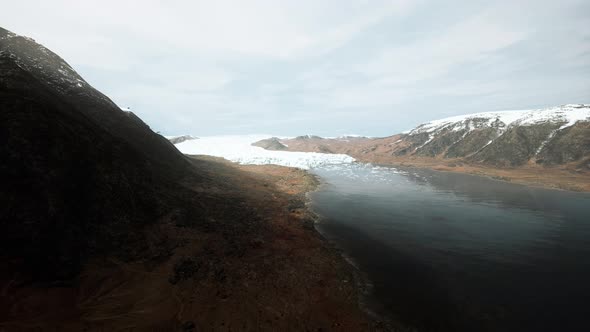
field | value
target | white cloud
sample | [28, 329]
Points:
[424, 67]
[469, 40]
[210, 66]
[267, 28]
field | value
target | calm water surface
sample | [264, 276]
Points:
[454, 252]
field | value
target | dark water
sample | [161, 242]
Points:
[454, 252]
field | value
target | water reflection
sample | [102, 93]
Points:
[467, 243]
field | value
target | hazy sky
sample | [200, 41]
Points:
[324, 67]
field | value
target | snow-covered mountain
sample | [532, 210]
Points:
[554, 135]
[567, 115]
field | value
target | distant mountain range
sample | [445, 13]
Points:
[552, 136]
[556, 138]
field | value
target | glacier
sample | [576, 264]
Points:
[238, 148]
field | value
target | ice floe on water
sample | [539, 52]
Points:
[367, 173]
[238, 148]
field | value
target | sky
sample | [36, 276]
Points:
[324, 67]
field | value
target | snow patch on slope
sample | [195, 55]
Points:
[239, 149]
[566, 114]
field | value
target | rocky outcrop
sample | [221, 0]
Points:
[308, 137]
[179, 139]
[272, 143]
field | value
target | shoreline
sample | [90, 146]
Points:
[367, 301]
[307, 183]
[544, 178]
[362, 283]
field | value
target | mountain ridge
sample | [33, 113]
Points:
[58, 76]
[474, 136]
[75, 172]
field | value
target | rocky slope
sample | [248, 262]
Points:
[550, 136]
[106, 226]
[180, 139]
[77, 172]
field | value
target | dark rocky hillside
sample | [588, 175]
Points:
[569, 145]
[77, 172]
